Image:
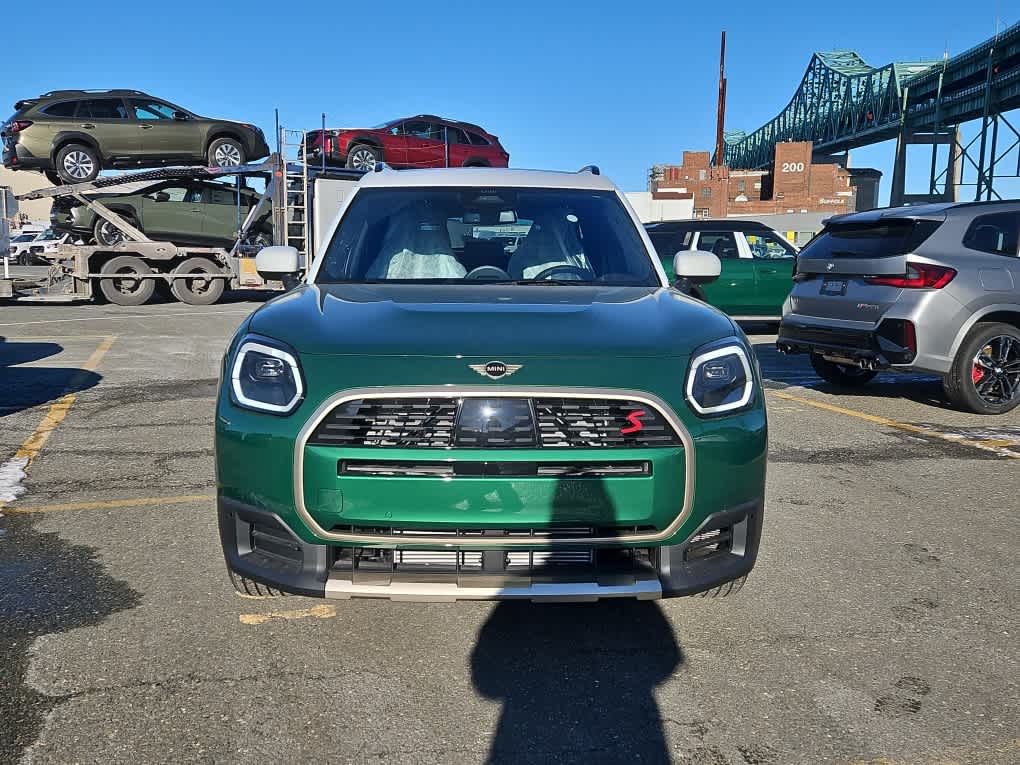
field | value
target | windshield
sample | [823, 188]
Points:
[490, 235]
[25, 237]
[48, 235]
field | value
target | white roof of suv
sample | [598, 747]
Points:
[486, 176]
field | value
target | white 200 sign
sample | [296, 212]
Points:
[793, 167]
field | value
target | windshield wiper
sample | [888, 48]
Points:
[553, 282]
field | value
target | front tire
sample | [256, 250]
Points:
[193, 283]
[118, 286]
[225, 152]
[844, 375]
[985, 376]
[363, 157]
[108, 235]
[77, 163]
[249, 588]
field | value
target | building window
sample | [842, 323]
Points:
[740, 186]
[701, 213]
[706, 192]
[702, 175]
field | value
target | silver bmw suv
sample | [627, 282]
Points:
[934, 288]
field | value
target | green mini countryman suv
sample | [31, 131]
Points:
[485, 388]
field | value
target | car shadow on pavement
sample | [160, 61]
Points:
[782, 371]
[576, 681]
[24, 387]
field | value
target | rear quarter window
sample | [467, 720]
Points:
[880, 239]
[60, 109]
[996, 233]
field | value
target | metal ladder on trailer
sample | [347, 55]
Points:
[292, 198]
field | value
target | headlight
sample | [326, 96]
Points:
[265, 378]
[720, 380]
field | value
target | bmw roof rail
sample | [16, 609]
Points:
[593, 169]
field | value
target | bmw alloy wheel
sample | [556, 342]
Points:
[78, 164]
[996, 370]
[363, 158]
[227, 155]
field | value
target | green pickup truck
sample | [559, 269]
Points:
[437, 413]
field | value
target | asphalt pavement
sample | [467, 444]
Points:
[879, 626]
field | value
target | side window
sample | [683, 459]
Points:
[168, 194]
[455, 135]
[997, 233]
[151, 110]
[421, 129]
[477, 140]
[103, 109]
[61, 109]
[664, 243]
[768, 246]
[722, 244]
[221, 196]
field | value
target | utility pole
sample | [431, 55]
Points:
[721, 111]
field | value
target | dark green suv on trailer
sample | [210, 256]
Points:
[182, 211]
[73, 134]
[487, 389]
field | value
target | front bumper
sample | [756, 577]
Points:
[259, 545]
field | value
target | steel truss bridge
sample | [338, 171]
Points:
[843, 103]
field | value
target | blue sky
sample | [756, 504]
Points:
[564, 84]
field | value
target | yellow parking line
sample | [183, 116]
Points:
[992, 447]
[315, 612]
[112, 503]
[59, 408]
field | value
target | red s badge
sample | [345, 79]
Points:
[634, 418]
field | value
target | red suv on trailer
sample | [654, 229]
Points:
[421, 141]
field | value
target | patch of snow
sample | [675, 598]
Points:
[12, 473]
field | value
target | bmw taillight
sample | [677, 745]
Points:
[918, 276]
[18, 125]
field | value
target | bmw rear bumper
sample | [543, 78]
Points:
[885, 346]
[259, 545]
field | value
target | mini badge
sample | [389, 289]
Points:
[495, 370]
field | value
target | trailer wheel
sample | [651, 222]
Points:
[119, 287]
[193, 283]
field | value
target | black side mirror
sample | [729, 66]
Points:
[181, 116]
[162, 196]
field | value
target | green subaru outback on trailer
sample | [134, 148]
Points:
[485, 388]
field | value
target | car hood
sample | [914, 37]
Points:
[490, 320]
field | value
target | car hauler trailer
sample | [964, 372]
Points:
[131, 271]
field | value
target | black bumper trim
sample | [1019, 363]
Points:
[304, 573]
[879, 346]
[291, 565]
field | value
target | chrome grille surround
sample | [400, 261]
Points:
[458, 391]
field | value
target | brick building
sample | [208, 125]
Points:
[793, 184]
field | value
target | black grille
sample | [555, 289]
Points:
[494, 423]
[600, 423]
[397, 422]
